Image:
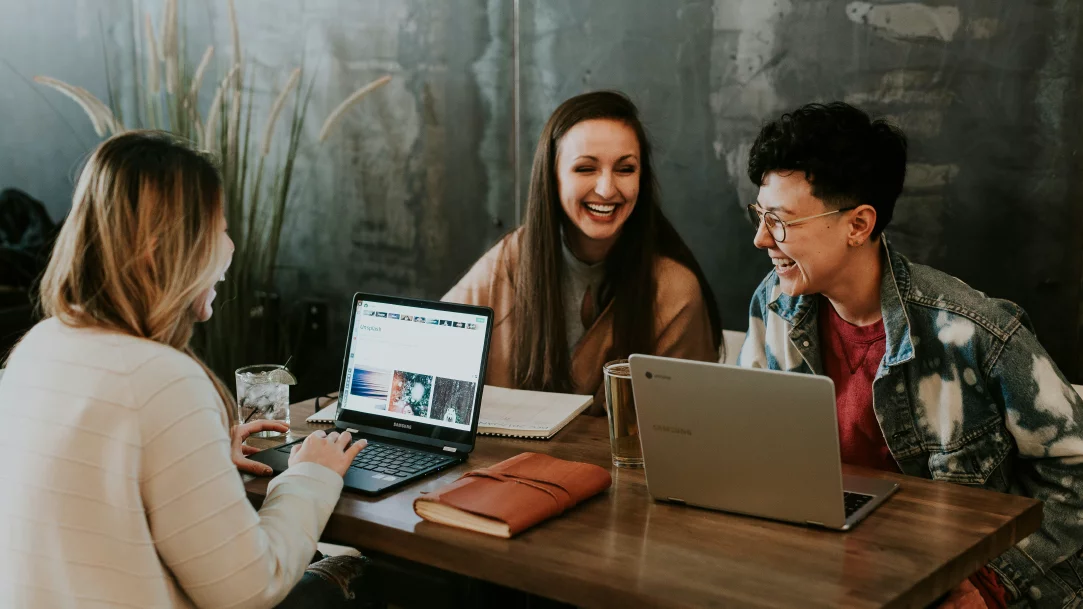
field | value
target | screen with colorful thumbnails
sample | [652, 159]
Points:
[417, 368]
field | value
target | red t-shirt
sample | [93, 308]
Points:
[851, 356]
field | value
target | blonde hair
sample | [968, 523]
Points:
[140, 244]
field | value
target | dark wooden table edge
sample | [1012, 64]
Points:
[962, 566]
[443, 551]
[447, 555]
[584, 592]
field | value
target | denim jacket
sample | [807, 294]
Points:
[964, 393]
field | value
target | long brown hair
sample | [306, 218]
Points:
[140, 244]
[540, 358]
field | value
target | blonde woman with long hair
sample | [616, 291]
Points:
[122, 486]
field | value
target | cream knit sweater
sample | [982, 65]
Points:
[119, 490]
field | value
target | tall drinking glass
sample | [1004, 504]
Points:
[623, 426]
[261, 396]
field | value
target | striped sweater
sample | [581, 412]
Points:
[120, 491]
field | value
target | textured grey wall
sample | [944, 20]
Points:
[420, 180]
[414, 185]
[43, 135]
[989, 94]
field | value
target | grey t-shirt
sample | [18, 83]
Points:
[576, 278]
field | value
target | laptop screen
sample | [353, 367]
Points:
[413, 369]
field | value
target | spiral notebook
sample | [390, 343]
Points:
[528, 414]
[327, 413]
[507, 412]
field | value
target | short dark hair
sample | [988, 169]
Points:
[847, 157]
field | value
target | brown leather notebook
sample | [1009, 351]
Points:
[513, 495]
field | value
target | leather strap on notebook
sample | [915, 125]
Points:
[545, 486]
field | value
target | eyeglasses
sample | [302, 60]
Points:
[777, 226]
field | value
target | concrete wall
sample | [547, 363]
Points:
[420, 180]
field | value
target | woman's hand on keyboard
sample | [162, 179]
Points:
[333, 450]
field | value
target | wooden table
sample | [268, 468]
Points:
[623, 549]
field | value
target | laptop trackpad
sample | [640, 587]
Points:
[365, 480]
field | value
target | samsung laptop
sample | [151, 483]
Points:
[412, 378]
[750, 441]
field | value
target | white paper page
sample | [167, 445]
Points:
[527, 410]
[326, 414]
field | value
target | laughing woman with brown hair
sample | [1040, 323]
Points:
[596, 272]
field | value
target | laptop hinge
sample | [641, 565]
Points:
[450, 449]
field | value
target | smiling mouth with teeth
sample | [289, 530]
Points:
[783, 264]
[600, 208]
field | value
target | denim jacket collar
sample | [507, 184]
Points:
[800, 311]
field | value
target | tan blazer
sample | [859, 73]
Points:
[681, 322]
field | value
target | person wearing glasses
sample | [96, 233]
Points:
[932, 377]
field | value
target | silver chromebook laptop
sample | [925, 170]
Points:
[749, 441]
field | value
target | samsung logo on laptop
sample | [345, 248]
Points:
[403, 425]
[677, 430]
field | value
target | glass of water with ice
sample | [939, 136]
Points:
[263, 392]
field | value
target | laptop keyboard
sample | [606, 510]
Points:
[391, 460]
[394, 460]
[854, 501]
